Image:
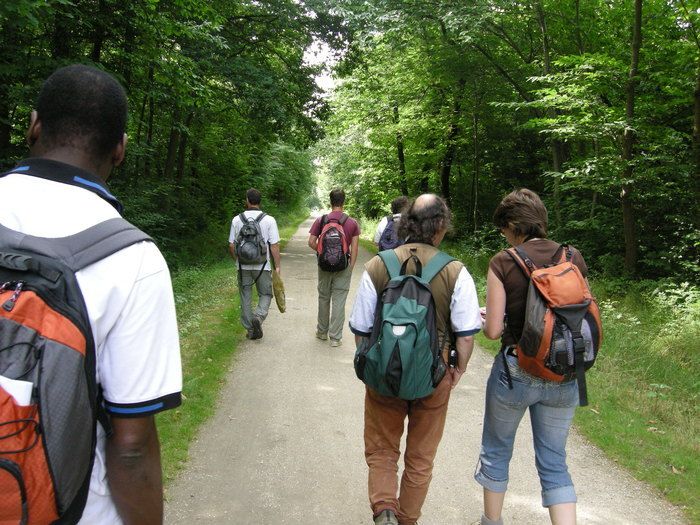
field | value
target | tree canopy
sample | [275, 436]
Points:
[596, 105]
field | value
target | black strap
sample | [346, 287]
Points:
[579, 366]
[342, 219]
[503, 352]
[260, 217]
[419, 266]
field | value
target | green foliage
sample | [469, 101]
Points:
[467, 93]
[220, 100]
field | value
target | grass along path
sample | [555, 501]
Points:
[208, 309]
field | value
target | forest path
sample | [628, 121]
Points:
[285, 445]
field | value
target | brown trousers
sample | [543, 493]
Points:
[384, 424]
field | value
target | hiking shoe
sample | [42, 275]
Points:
[249, 334]
[386, 517]
[336, 342]
[321, 336]
[257, 328]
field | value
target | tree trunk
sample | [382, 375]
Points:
[399, 152]
[628, 218]
[182, 150]
[451, 144]
[477, 162]
[555, 145]
[173, 141]
[61, 36]
[696, 126]
[577, 27]
[98, 34]
[149, 129]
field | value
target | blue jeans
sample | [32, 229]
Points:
[552, 407]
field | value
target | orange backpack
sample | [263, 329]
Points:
[562, 332]
[50, 401]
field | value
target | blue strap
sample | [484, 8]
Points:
[391, 261]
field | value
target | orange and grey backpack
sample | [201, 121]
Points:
[562, 332]
[50, 401]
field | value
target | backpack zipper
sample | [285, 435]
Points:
[10, 303]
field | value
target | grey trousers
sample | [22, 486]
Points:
[246, 280]
[333, 288]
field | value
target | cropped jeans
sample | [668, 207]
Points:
[552, 407]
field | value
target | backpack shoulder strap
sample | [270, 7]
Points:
[522, 260]
[260, 217]
[243, 218]
[436, 263]
[392, 263]
[324, 220]
[342, 219]
[84, 248]
[565, 253]
[389, 218]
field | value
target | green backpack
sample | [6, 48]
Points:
[402, 356]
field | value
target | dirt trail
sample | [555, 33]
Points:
[285, 445]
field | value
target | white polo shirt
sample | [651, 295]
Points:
[131, 307]
[268, 228]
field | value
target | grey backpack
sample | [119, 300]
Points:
[50, 401]
[251, 247]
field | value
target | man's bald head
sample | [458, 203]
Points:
[428, 217]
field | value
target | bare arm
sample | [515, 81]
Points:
[134, 472]
[313, 242]
[232, 250]
[495, 306]
[465, 346]
[353, 250]
[275, 251]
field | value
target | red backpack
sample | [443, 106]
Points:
[333, 250]
[562, 332]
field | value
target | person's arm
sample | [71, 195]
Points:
[275, 252]
[232, 250]
[465, 346]
[495, 306]
[353, 250]
[313, 242]
[134, 471]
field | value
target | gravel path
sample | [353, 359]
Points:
[285, 445]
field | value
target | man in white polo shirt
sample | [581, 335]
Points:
[258, 274]
[76, 137]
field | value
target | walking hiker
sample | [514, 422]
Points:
[254, 236]
[522, 219]
[335, 238]
[397, 390]
[386, 237]
[88, 321]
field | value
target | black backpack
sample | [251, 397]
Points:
[333, 249]
[50, 401]
[251, 247]
[389, 238]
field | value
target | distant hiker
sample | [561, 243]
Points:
[386, 237]
[254, 236]
[411, 368]
[335, 238]
[522, 219]
[88, 321]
